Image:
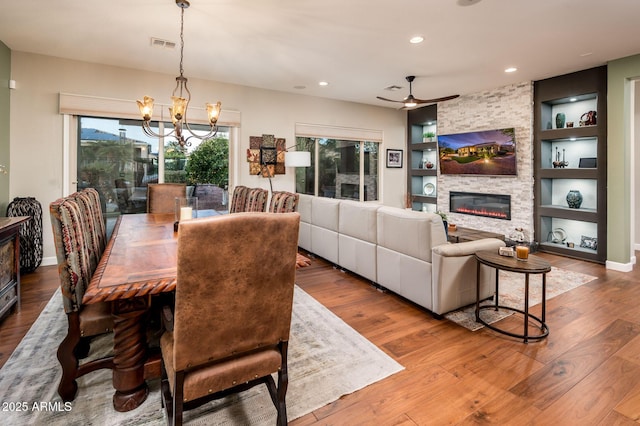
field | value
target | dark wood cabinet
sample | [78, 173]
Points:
[570, 156]
[10, 263]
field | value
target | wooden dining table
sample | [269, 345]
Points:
[140, 261]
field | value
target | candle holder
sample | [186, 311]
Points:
[186, 208]
[522, 252]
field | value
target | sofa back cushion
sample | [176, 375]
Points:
[324, 213]
[358, 220]
[410, 232]
[304, 207]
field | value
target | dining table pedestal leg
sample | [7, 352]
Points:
[130, 352]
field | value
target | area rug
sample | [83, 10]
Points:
[327, 359]
[512, 294]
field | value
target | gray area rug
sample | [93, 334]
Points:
[327, 359]
[512, 294]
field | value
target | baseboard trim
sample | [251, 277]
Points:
[622, 267]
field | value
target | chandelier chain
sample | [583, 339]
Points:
[181, 40]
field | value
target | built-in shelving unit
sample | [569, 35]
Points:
[570, 154]
[422, 158]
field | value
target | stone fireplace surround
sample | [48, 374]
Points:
[508, 106]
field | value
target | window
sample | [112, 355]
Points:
[343, 169]
[119, 160]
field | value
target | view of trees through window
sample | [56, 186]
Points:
[342, 169]
[119, 160]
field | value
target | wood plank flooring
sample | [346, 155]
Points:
[587, 372]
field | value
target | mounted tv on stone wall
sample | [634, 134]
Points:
[487, 152]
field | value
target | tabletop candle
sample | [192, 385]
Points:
[522, 252]
[186, 213]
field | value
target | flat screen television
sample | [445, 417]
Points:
[486, 152]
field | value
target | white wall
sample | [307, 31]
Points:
[36, 135]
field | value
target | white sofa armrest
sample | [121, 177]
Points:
[454, 274]
[468, 247]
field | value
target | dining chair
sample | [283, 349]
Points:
[232, 313]
[256, 200]
[238, 199]
[161, 196]
[283, 202]
[75, 269]
[89, 204]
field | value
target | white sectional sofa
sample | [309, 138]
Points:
[401, 250]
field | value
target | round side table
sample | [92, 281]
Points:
[533, 265]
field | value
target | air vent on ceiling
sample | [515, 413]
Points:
[165, 44]
[393, 88]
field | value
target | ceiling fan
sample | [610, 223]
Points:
[410, 101]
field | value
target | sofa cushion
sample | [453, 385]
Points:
[324, 213]
[304, 207]
[358, 220]
[410, 232]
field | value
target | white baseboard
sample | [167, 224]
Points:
[622, 267]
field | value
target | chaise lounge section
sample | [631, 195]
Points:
[401, 250]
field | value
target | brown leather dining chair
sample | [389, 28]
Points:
[76, 264]
[232, 314]
[161, 196]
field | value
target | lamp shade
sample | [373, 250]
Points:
[297, 159]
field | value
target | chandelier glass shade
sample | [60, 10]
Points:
[180, 103]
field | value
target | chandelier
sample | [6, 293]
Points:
[180, 102]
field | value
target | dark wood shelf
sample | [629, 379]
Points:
[423, 145]
[568, 173]
[562, 212]
[569, 132]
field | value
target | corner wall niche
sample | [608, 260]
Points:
[504, 107]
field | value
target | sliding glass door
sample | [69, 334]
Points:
[117, 159]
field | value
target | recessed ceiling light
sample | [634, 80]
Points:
[416, 39]
[586, 54]
[323, 83]
[511, 69]
[573, 99]
[299, 87]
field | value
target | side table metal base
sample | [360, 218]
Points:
[526, 337]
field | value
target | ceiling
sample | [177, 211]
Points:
[359, 46]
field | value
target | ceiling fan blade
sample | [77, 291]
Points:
[388, 100]
[433, 101]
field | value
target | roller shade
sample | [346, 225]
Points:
[333, 132]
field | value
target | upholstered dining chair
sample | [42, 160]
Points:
[161, 196]
[256, 200]
[75, 269]
[238, 199]
[283, 202]
[232, 314]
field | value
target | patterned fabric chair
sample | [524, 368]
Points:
[233, 335]
[161, 197]
[88, 202]
[256, 200]
[239, 199]
[75, 267]
[283, 202]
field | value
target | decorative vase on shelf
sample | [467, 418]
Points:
[428, 165]
[574, 199]
[560, 118]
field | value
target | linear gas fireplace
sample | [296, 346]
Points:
[476, 204]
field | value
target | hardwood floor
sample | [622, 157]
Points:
[587, 372]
